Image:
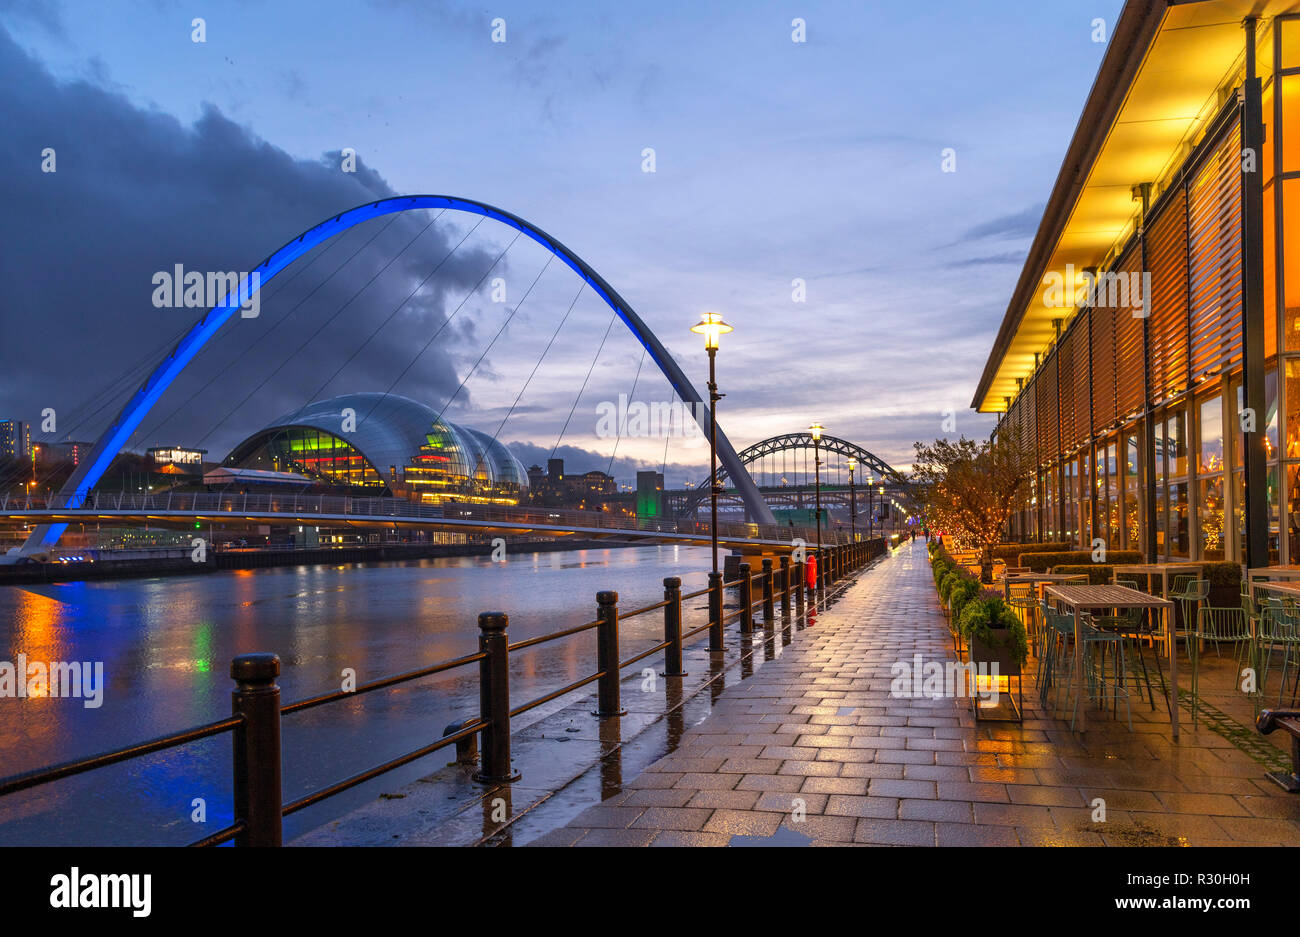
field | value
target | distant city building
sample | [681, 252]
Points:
[176, 460]
[15, 439]
[591, 491]
[649, 494]
[71, 451]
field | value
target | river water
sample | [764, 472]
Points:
[166, 644]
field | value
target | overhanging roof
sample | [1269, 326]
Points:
[1158, 86]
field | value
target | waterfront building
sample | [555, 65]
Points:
[1149, 358]
[383, 444]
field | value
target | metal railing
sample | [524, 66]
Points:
[327, 506]
[257, 715]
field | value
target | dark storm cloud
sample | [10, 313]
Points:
[137, 192]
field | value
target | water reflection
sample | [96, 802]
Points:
[166, 644]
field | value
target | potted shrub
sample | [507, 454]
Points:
[994, 636]
[961, 594]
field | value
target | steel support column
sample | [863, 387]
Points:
[1253, 312]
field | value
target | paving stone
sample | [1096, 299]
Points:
[819, 723]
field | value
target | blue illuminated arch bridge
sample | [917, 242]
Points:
[90, 469]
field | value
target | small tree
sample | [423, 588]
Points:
[972, 487]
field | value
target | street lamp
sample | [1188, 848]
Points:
[816, 431]
[713, 328]
[881, 491]
[871, 517]
[853, 504]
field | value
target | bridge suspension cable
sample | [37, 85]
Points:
[446, 322]
[578, 398]
[310, 338]
[230, 334]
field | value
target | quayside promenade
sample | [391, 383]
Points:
[813, 750]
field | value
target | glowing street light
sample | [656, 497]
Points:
[712, 327]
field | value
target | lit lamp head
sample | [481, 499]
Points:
[816, 431]
[712, 328]
[853, 463]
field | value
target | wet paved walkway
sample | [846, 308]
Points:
[813, 749]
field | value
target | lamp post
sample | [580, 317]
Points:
[881, 491]
[816, 431]
[853, 504]
[871, 514]
[712, 328]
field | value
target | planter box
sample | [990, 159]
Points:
[1001, 653]
[997, 653]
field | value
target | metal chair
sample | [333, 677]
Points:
[1060, 638]
[1279, 629]
[1216, 624]
[1023, 597]
[1133, 626]
[1190, 593]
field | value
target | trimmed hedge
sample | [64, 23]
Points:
[1099, 574]
[1008, 552]
[1043, 562]
[963, 592]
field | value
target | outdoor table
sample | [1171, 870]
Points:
[1038, 578]
[1274, 572]
[1290, 588]
[1159, 569]
[1080, 599]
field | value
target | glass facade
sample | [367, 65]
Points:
[1178, 360]
[386, 444]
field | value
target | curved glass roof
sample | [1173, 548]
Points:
[399, 435]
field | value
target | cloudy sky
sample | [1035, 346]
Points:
[774, 161]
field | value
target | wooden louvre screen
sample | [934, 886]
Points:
[1167, 305]
[1215, 274]
[1030, 400]
[1130, 373]
[1102, 330]
[1048, 426]
[1081, 336]
[1065, 388]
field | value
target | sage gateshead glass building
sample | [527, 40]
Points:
[383, 444]
[1150, 355]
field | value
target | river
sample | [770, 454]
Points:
[166, 643]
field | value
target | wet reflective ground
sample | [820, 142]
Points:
[166, 645]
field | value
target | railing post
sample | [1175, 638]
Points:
[256, 697]
[746, 600]
[769, 611]
[494, 698]
[715, 612]
[800, 571]
[785, 586]
[673, 627]
[607, 654]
